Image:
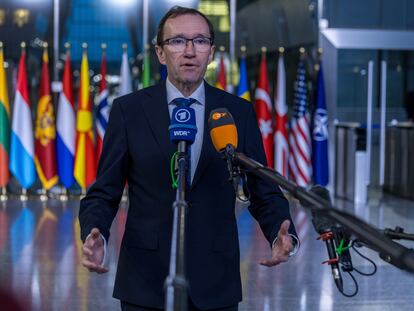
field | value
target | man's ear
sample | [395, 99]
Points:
[160, 54]
[211, 56]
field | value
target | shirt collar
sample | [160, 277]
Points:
[173, 93]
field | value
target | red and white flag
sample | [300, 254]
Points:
[263, 105]
[281, 134]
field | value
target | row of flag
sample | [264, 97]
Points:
[67, 150]
[64, 149]
[296, 148]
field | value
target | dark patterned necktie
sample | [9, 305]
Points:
[181, 101]
[186, 102]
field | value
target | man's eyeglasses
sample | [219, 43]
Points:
[178, 44]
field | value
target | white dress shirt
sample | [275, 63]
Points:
[199, 107]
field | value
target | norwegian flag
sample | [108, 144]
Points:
[102, 115]
[300, 165]
[281, 134]
[263, 105]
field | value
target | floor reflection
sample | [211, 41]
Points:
[40, 262]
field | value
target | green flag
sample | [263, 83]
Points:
[4, 124]
[146, 70]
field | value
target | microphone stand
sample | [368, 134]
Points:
[395, 253]
[398, 234]
[176, 283]
[393, 234]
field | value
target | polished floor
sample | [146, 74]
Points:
[39, 262]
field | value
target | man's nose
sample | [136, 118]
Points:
[189, 48]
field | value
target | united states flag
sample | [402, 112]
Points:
[300, 165]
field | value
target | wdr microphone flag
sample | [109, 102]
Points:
[45, 133]
[65, 124]
[320, 135]
[22, 146]
[102, 115]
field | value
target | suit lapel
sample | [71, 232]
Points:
[156, 112]
[213, 101]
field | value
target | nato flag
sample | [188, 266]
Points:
[320, 135]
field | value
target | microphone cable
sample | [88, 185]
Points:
[356, 287]
[174, 177]
[367, 259]
[351, 245]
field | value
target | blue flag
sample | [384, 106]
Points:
[320, 135]
[243, 87]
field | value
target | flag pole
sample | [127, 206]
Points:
[243, 50]
[64, 197]
[3, 196]
[43, 192]
[232, 49]
[145, 13]
[83, 193]
[23, 196]
[84, 48]
[64, 194]
[302, 52]
[43, 195]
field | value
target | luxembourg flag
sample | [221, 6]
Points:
[22, 146]
[65, 124]
[102, 115]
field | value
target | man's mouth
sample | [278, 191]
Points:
[189, 65]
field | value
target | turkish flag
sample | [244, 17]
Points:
[263, 106]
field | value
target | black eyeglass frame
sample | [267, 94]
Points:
[166, 41]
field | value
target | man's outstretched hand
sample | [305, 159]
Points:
[282, 247]
[93, 251]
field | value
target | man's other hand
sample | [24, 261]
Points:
[93, 251]
[282, 247]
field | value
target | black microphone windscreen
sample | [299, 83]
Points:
[320, 222]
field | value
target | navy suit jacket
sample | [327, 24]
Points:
[137, 148]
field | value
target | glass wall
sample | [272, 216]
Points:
[352, 83]
[370, 14]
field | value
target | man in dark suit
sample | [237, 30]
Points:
[137, 148]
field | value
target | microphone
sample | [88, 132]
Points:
[329, 234]
[183, 125]
[183, 130]
[223, 131]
